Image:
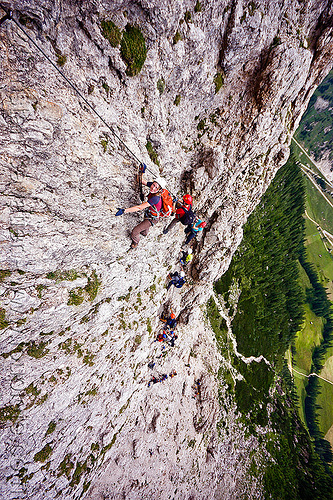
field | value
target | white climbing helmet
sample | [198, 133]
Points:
[189, 251]
[161, 182]
[182, 274]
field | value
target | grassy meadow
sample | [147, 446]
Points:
[317, 207]
[310, 334]
[319, 256]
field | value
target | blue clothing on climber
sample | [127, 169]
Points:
[194, 229]
[176, 279]
[171, 322]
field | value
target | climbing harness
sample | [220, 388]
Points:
[9, 16]
[166, 209]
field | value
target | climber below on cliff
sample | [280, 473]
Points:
[187, 256]
[152, 209]
[184, 213]
[170, 321]
[176, 279]
[193, 229]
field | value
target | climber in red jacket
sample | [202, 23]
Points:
[184, 213]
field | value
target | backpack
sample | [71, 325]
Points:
[189, 216]
[171, 322]
[167, 206]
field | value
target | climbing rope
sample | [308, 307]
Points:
[9, 16]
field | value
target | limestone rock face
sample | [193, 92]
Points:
[221, 91]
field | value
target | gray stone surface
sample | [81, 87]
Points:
[78, 374]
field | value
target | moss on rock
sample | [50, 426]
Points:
[43, 454]
[218, 81]
[9, 413]
[76, 297]
[161, 85]
[51, 428]
[133, 49]
[70, 275]
[37, 350]
[4, 273]
[3, 322]
[111, 32]
[92, 287]
[152, 153]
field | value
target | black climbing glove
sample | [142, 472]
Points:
[120, 211]
[143, 167]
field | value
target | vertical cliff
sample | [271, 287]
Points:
[212, 108]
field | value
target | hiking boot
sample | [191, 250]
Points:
[165, 231]
[133, 245]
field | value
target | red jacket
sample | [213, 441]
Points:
[180, 211]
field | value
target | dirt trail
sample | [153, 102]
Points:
[312, 161]
[292, 369]
[325, 233]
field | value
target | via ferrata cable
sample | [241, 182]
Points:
[10, 17]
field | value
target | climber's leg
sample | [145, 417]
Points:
[141, 228]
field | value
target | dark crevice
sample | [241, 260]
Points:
[116, 71]
[84, 29]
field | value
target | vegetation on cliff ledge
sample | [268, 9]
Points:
[111, 32]
[133, 49]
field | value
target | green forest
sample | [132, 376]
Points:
[262, 295]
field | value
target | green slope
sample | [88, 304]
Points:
[263, 297]
[317, 207]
